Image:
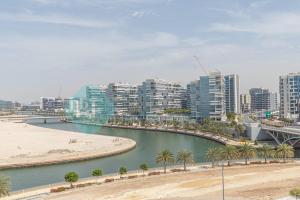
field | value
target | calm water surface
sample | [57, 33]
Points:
[149, 143]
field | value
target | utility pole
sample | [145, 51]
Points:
[223, 189]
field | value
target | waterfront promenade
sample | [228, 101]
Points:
[207, 135]
[24, 145]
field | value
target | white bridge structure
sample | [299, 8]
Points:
[25, 118]
[285, 135]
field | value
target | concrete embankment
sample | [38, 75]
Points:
[210, 136]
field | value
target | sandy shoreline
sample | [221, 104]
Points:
[25, 145]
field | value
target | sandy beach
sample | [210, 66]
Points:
[27, 145]
[259, 182]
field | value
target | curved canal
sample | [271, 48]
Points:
[149, 143]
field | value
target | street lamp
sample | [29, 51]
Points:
[223, 190]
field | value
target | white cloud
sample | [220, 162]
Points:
[271, 24]
[57, 19]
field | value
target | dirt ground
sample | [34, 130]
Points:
[263, 182]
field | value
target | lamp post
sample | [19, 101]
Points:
[223, 190]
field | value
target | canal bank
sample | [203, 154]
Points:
[207, 135]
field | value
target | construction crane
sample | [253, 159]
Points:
[200, 65]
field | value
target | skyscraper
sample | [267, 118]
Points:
[211, 98]
[232, 93]
[245, 100]
[193, 93]
[289, 89]
[260, 99]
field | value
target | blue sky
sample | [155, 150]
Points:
[50, 44]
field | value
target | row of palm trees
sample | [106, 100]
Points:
[247, 151]
[226, 153]
[219, 128]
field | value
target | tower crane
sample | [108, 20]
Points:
[200, 65]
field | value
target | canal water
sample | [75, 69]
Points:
[149, 143]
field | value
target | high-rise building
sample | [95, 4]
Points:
[124, 97]
[193, 93]
[245, 100]
[289, 89]
[260, 99]
[273, 102]
[212, 98]
[156, 95]
[232, 93]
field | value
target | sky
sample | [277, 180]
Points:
[54, 47]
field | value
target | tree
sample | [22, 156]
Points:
[247, 152]
[213, 155]
[96, 173]
[184, 157]
[285, 151]
[144, 167]
[4, 186]
[266, 151]
[71, 178]
[229, 153]
[122, 171]
[240, 129]
[295, 193]
[231, 116]
[165, 157]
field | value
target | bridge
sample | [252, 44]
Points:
[25, 118]
[285, 135]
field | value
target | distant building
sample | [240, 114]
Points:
[260, 99]
[232, 93]
[289, 90]
[212, 97]
[51, 104]
[6, 105]
[156, 95]
[245, 100]
[273, 102]
[124, 97]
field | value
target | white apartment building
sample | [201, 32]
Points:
[289, 90]
[124, 97]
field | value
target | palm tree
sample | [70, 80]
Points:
[184, 157]
[229, 153]
[285, 151]
[295, 192]
[4, 186]
[213, 155]
[165, 157]
[247, 152]
[266, 151]
[144, 167]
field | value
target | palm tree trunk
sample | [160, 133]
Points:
[265, 160]
[228, 163]
[184, 166]
[165, 167]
